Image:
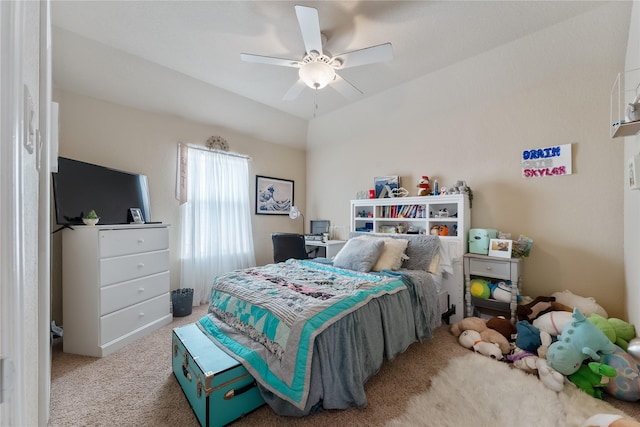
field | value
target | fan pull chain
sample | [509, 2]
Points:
[315, 102]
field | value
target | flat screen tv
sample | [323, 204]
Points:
[80, 187]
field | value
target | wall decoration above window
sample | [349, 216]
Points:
[274, 196]
[217, 143]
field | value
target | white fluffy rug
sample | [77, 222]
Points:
[474, 390]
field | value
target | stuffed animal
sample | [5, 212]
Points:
[479, 288]
[626, 385]
[471, 339]
[479, 325]
[523, 360]
[552, 379]
[617, 330]
[553, 322]
[579, 340]
[501, 291]
[592, 377]
[538, 307]
[424, 187]
[502, 325]
[532, 339]
[586, 305]
[528, 336]
[531, 363]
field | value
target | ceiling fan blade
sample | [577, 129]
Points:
[345, 88]
[271, 60]
[310, 28]
[294, 91]
[368, 55]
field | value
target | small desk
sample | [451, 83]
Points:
[331, 247]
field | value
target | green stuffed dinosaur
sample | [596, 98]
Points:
[592, 377]
[618, 331]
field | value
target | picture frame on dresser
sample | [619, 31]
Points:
[136, 216]
[500, 248]
[274, 196]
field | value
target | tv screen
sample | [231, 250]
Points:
[80, 187]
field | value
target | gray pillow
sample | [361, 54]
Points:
[359, 254]
[421, 250]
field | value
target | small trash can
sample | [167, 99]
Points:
[182, 302]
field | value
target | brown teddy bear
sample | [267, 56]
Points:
[504, 326]
[486, 334]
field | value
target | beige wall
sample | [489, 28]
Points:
[142, 142]
[471, 121]
[632, 198]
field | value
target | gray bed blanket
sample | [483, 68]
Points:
[349, 350]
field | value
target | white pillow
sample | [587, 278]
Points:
[393, 253]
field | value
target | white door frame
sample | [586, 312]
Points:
[12, 267]
[24, 217]
[44, 213]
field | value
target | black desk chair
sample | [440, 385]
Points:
[288, 245]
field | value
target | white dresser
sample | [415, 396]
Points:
[115, 285]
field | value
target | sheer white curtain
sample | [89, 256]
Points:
[215, 220]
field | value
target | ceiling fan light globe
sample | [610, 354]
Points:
[316, 75]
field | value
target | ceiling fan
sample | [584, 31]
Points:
[317, 67]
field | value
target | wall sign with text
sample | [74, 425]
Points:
[549, 161]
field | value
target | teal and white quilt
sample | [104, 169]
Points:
[268, 317]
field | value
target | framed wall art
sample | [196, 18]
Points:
[274, 196]
[500, 248]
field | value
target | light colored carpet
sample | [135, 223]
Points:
[479, 391]
[135, 386]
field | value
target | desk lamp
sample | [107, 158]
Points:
[294, 213]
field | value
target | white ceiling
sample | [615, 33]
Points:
[177, 56]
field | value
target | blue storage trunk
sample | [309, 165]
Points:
[218, 387]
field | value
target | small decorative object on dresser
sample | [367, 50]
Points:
[136, 216]
[91, 218]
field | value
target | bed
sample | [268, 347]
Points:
[311, 332]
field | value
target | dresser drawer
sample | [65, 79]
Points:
[490, 268]
[132, 241]
[120, 323]
[125, 268]
[120, 295]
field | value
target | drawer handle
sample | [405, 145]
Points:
[141, 290]
[140, 240]
[140, 265]
[141, 314]
[489, 268]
